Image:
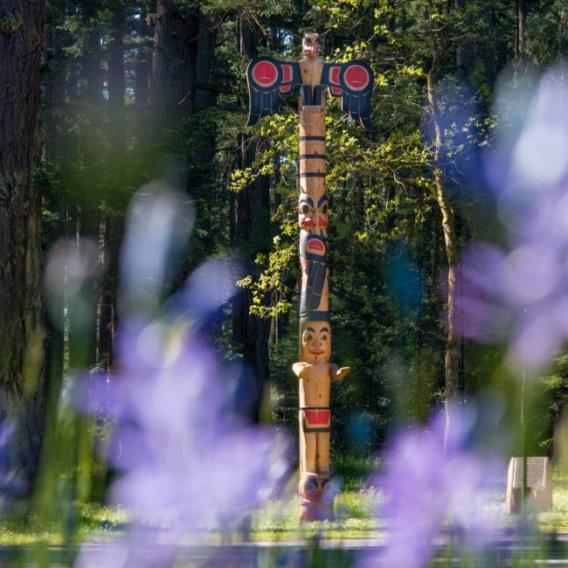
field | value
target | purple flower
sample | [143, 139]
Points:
[532, 161]
[521, 297]
[519, 294]
[186, 456]
[11, 483]
[429, 482]
[187, 460]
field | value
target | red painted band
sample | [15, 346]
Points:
[317, 417]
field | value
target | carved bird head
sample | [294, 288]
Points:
[310, 45]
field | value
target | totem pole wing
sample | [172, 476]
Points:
[353, 82]
[267, 79]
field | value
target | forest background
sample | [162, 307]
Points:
[113, 95]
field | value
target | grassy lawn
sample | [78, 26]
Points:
[277, 521]
[557, 519]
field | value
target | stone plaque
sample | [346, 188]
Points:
[539, 484]
[536, 472]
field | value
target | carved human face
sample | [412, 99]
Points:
[316, 342]
[310, 45]
[312, 216]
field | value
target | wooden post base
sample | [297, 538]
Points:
[316, 511]
[316, 501]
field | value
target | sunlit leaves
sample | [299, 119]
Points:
[272, 281]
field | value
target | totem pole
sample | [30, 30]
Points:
[269, 78]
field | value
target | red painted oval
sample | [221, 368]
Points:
[356, 77]
[286, 73]
[334, 75]
[265, 73]
[315, 245]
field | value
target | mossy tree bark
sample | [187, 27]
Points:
[21, 339]
[452, 351]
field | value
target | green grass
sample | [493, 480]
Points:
[279, 520]
[557, 519]
[275, 522]
[17, 530]
[354, 470]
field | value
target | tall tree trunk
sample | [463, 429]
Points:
[113, 222]
[143, 71]
[82, 317]
[252, 228]
[82, 307]
[92, 69]
[116, 83]
[522, 8]
[452, 355]
[173, 63]
[142, 87]
[252, 234]
[465, 56]
[201, 166]
[54, 97]
[21, 383]
[113, 232]
[204, 95]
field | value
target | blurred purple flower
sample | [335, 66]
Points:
[534, 140]
[520, 295]
[11, 484]
[158, 228]
[429, 482]
[186, 456]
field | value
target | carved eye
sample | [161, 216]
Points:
[324, 337]
[305, 209]
[309, 337]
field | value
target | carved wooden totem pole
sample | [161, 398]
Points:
[353, 82]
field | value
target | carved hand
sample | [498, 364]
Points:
[342, 373]
[300, 369]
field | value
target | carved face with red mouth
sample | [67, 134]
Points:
[316, 248]
[310, 45]
[313, 259]
[316, 342]
[312, 216]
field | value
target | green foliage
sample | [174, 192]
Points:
[552, 400]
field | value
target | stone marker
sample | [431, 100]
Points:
[539, 484]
